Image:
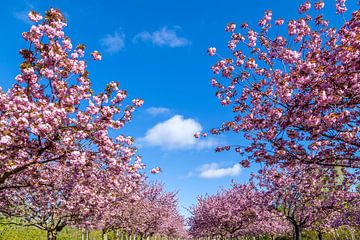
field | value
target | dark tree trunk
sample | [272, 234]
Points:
[297, 232]
[104, 235]
[320, 235]
[51, 234]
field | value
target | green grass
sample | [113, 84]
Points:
[31, 233]
[13, 232]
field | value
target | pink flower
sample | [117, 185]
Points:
[279, 22]
[6, 140]
[74, 55]
[197, 135]
[319, 5]
[252, 36]
[238, 150]
[211, 51]
[156, 170]
[138, 102]
[34, 16]
[250, 63]
[266, 19]
[230, 27]
[96, 55]
[340, 6]
[304, 7]
[245, 163]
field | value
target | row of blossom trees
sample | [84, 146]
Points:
[59, 163]
[295, 97]
[236, 212]
[278, 202]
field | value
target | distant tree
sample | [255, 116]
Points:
[237, 212]
[308, 196]
[153, 212]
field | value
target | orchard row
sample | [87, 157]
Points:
[295, 97]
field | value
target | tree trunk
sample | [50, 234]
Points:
[51, 235]
[352, 232]
[82, 234]
[104, 235]
[117, 234]
[297, 232]
[320, 235]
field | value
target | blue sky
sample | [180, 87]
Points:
[157, 51]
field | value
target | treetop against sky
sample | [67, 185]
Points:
[157, 51]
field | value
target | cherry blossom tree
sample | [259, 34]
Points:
[308, 196]
[346, 218]
[51, 114]
[47, 206]
[149, 212]
[295, 96]
[236, 212]
[77, 196]
[58, 163]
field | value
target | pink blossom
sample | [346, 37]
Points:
[304, 7]
[197, 135]
[245, 163]
[6, 140]
[34, 16]
[279, 22]
[319, 5]
[230, 27]
[211, 51]
[138, 102]
[96, 55]
[340, 6]
[156, 170]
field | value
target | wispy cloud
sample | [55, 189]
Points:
[113, 43]
[176, 133]
[22, 15]
[162, 37]
[213, 170]
[154, 111]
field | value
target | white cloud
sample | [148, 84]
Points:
[162, 37]
[213, 170]
[176, 133]
[113, 43]
[154, 111]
